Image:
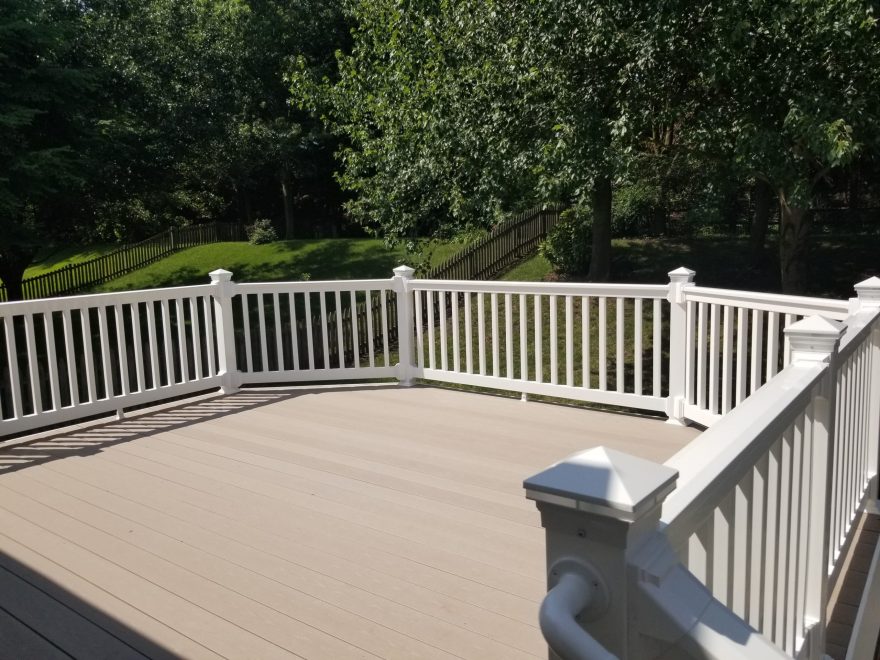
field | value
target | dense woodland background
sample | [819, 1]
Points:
[119, 118]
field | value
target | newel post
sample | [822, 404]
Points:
[815, 340]
[680, 343]
[869, 301]
[227, 367]
[402, 277]
[597, 507]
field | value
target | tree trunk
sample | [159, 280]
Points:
[794, 230]
[287, 200]
[12, 269]
[659, 217]
[600, 257]
[731, 211]
[760, 221]
[247, 207]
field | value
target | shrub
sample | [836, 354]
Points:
[261, 232]
[632, 209]
[567, 246]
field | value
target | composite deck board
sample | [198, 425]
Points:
[331, 522]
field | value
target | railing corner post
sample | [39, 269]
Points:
[402, 277]
[679, 350]
[816, 340]
[230, 377]
[868, 299]
[598, 507]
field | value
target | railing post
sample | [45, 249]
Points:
[812, 340]
[402, 277]
[680, 352]
[597, 507]
[869, 300]
[230, 377]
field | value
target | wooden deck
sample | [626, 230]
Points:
[337, 522]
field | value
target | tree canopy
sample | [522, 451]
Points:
[457, 112]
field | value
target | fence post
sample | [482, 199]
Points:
[597, 507]
[869, 300]
[680, 353]
[230, 377]
[815, 339]
[402, 277]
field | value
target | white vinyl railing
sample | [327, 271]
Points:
[598, 343]
[736, 344]
[749, 544]
[63, 359]
[302, 331]
[744, 551]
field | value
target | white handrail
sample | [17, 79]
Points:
[572, 594]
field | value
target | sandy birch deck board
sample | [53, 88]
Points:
[320, 550]
[370, 522]
[295, 570]
[18, 642]
[322, 603]
[74, 632]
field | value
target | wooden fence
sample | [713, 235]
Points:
[504, 246]
[79, 277]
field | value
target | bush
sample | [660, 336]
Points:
[632, 209]
[261, 232]
[567, 246]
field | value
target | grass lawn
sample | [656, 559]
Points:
[55, 258]
[837, 262]
[325, 259]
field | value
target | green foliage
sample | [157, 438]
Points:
[567, 246]
[633, 209]
[261, 232]
[45, 107]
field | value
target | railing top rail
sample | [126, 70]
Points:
[97, 299]
[557, 288]
[858, 327]
[316, 286]
[772, 302]
[714, 463]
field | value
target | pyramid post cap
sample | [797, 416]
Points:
[868, 291]
[404, 271]
[220, 275]
[813, 338]
[603, 481]
[682, 274]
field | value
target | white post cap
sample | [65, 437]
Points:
[405, 272]
[603, 481]
[869, 293]
[682, 275]
[813, 339]
[220, 275]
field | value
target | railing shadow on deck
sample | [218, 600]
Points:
[82, 442]
[41, 619]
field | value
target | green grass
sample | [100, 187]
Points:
[55, 258]
[326, 259]
[533, 269]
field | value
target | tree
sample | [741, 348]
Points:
[44, 116]
[202, 126]
[786, 92]
[457, 113]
